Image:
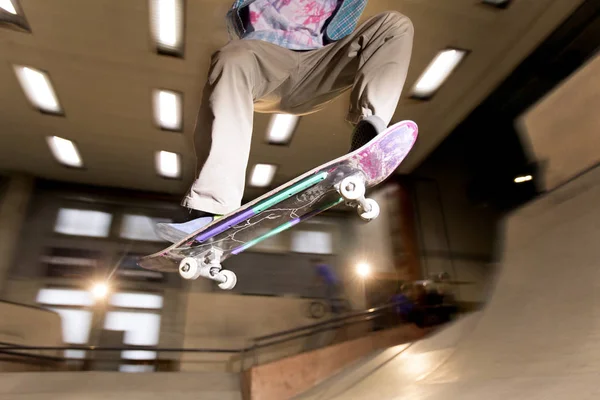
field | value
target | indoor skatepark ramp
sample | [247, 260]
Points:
[539, 335]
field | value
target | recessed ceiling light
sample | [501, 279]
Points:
[38, 89]
[168, 164]
[281, 128]
[167, 25]
[521, 179]
[437, 72]
[65, 151]
[262, 175]
[7, 5]
[497, 3]
[167, 109]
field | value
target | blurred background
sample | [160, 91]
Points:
[98, 103]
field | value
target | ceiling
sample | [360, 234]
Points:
[103, 66]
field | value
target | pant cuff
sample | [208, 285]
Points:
[207, 205]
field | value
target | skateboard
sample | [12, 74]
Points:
[344, 179]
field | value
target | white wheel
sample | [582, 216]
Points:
[230, 280]
[352, 188]
[189, 268]
[372, 213]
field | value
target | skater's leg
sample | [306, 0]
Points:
[373, 61]
[240, 73]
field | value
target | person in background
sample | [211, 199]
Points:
[327, 277]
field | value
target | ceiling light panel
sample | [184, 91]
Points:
[65, 151]
[497, 3]
[8, 6]
[262, 175]
[167, 109]
[281, 128]
[168, 165]
[38, 88]
[167, 26]
[437, 72]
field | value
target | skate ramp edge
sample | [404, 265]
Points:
[291, 376]
[410, 363]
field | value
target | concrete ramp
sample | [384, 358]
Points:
[538, 337]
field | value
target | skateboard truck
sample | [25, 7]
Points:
[208, 265]
[352, 189]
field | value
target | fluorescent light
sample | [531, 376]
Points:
[167, 25]
[167, 109]
[281, 128]
[521, 179]
[7, 5]
[38, 89]
[168, 164]
[262, 175]
[437, 72]
[65, 151]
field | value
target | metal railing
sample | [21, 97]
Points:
[259, 342]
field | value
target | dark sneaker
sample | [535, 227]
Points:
[365, 131]
[175, 232]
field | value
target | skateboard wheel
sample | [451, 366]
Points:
[189, 269]
[372, 213]
[230, 279]
[352, 188]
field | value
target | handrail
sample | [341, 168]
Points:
[330, 324]
[370, 311]
[121, 348]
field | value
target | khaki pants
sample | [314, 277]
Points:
[253, 75]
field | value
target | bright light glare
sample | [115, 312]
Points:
[167, 26]
[437, 72]
[521, 179]
[38, 89]
[262, 175]
[167, 109]
[8, 6]
[168, 164]
[100, 290]
[65, 151]
[281, 128]
[363, 269]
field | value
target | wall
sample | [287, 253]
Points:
[230, 321]
[114, 385]
[456, 235]
[563, 128]
[28, 326]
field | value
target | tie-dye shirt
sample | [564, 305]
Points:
[294, 24]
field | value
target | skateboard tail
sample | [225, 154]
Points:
[226, 224]
[285, 226]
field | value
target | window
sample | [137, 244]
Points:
[137, 300]
[65, 297]
[140, 328]
[140, 227]
[136, 368]
[83, 222]
[76, 324]
[314, 242]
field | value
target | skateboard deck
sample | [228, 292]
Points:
[319, 189]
